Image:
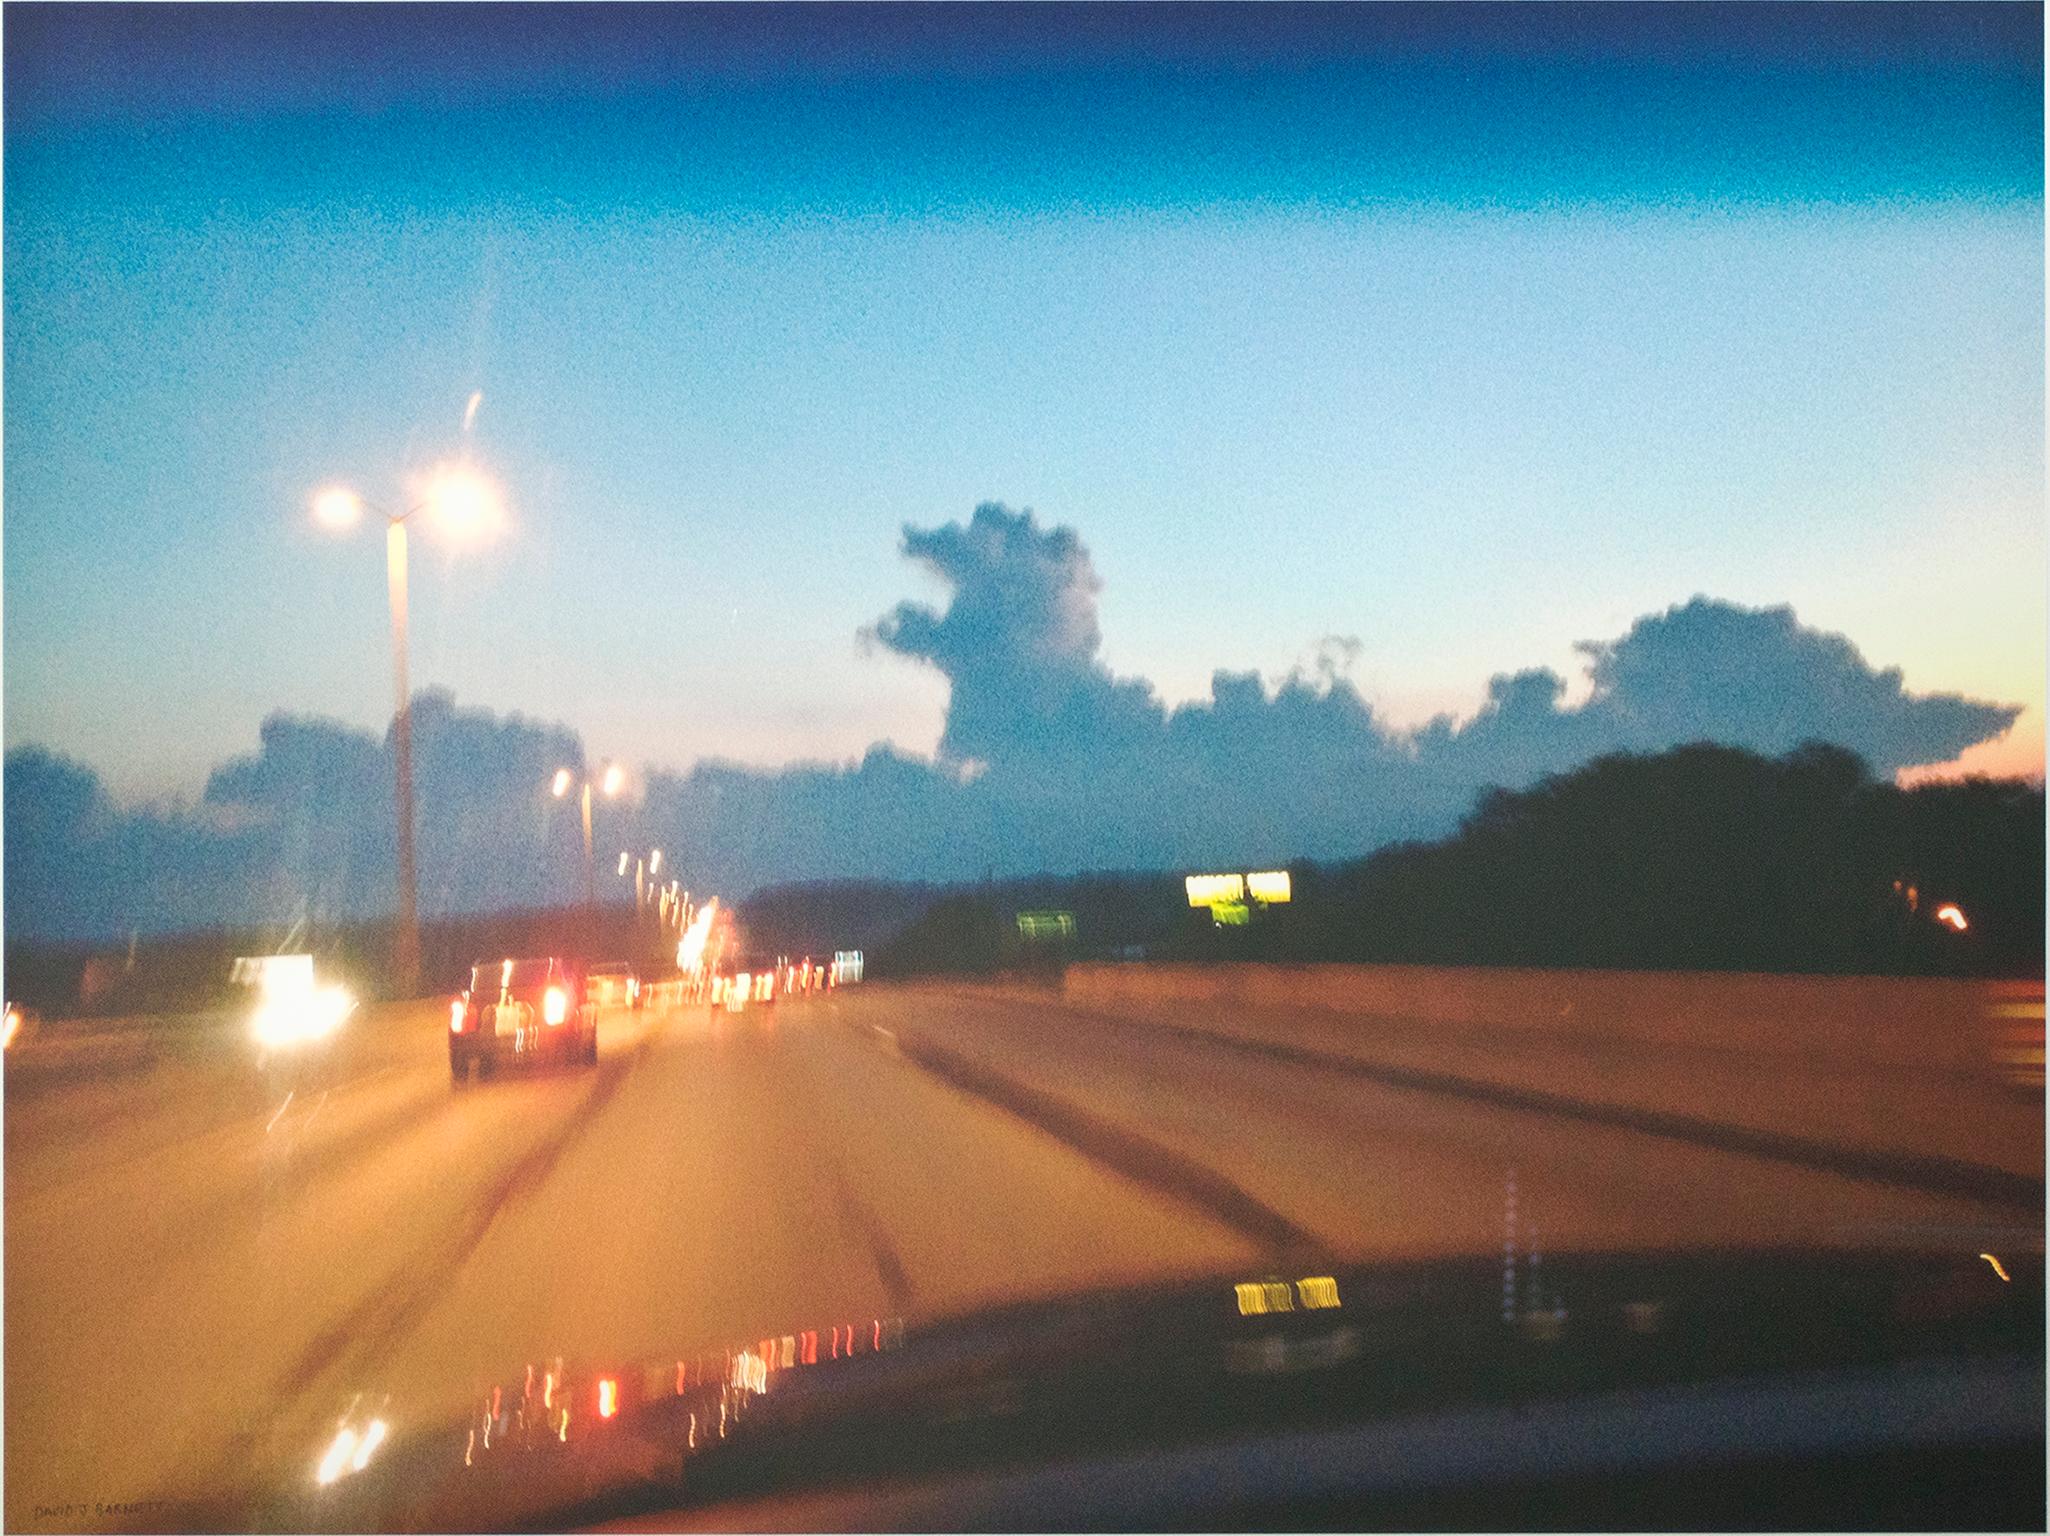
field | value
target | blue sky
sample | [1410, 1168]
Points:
[1467, 334]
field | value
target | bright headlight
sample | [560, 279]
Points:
[293, 1016]
[555, 1005]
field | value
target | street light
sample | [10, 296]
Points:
[609, 784]
[644, 867]
[464, 504]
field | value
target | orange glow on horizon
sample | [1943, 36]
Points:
[2018, 754]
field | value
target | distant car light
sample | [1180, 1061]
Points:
[608, 1397]
[1952, 916]
[456, 1010]
[293, 1015]
[373, 1437]
[339, 1453]
[555, 1005]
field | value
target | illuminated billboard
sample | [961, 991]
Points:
[1209, 890]
[1037, 927]
[1271, 886]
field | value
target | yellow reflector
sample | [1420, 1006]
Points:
[1317, 1291]
[1258, 1297]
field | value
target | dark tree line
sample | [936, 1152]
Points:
[1707, 858]
[1702, 857]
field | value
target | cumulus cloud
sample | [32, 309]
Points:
[1048, 762]
[1754, 677]
[1017, 642]
[1083, 768]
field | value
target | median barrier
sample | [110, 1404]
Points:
[1872, 1021]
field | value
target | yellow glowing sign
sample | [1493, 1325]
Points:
[1257, 1298]
[1209, 890]
[1319, 1291]
[1269, 886]
[1037, 926]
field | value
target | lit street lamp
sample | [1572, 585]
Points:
[644, 868]
[609, 783]
[463, 504]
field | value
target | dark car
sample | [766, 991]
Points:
[521, 1010]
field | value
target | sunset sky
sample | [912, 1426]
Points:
[1464, 334]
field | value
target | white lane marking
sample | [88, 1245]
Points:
[281, 1110]
[887, 1038]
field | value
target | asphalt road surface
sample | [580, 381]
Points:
[208, 1258]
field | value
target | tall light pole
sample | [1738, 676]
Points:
[609, 782]
[463, 502]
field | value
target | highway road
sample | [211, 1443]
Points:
[208, 1258]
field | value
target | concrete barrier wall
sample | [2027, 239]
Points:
[1873, 1019]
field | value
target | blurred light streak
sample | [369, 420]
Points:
[1996, 1265]
[373, 1437]
[339, 1451]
